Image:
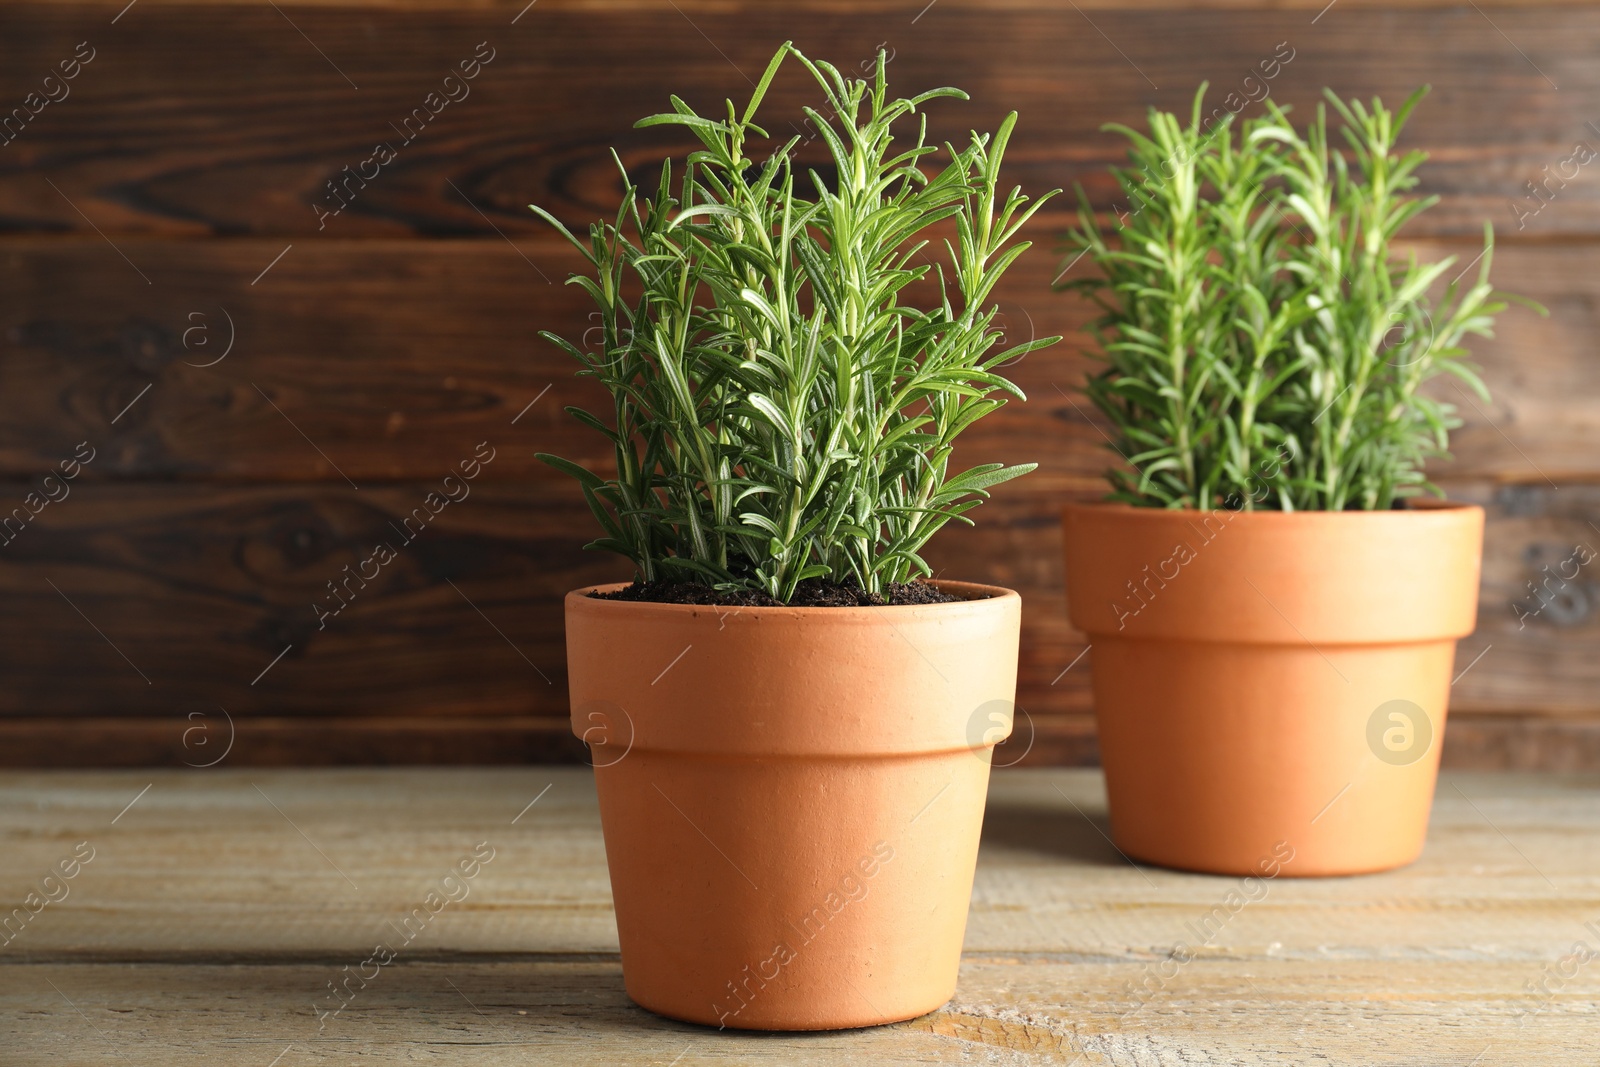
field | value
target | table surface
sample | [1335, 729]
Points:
[218, 906]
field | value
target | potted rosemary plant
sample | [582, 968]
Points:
[779, 707]
[1273, 610]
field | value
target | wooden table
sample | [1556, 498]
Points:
[219, 905]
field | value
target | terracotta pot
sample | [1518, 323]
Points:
[792, 797]
[1270, 682]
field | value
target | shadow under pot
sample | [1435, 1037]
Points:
[1270, 687]
[791, 797]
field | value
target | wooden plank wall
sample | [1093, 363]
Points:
[266, 391]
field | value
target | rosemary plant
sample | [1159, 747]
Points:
[783, 408]
[1264, 343]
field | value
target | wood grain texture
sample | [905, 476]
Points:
[200, 737]
[219, 904]
[156, 602]
[164, 211]
[1520, 742]
[186, 597]
[1011, 1011]
[391, 357]
[512, 7]
[224, 119]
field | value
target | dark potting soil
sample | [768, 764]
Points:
[811, 593]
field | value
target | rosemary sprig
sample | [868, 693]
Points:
[1264, 344]
[783, 407]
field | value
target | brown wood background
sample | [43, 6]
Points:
[139, 217]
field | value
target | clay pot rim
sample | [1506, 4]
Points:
[1414, 509]
[976, 597]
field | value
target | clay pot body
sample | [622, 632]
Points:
[1268, 682]
[792, 797]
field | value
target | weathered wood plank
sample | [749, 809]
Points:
[1539, 604]
[1473, 741]
[208, 597]
[1049, 882]
[393, 356]
[389, 358]
[201, 588]
[216, 908]
[201, 736]
[215, 119]
[1010, 1011]
[222, 118]
[510, 7]
[1498, 742]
